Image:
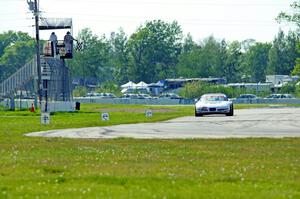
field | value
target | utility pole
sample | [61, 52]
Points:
[38, 55]
[33, 6]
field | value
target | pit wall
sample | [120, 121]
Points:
[61, 106]
[178, 101]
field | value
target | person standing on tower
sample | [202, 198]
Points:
[68, 41]
[53, 39]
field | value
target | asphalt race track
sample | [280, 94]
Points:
[264, 122]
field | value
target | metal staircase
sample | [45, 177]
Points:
[53, 71]
[20, 78]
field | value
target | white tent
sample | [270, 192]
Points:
[130, 85]
[142, 85]
[124, 90]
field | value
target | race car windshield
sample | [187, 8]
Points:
[215, 98]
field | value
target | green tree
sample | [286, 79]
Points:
[16, 49]
[203, 60]
[210, 58]
[293, 17]
[283, 54]
[196, 89]
[93, 60]
[119, 56]
[276, 55]
[296, 70]
[297, 91]
[223, 58]
[247, 44]
[288, 88]
[80, 91]
[188, 61]
[15, 57]
[293, 52]
[188, 44]
[257, 61]
[154, 51]
[9, 38]
[232, 66]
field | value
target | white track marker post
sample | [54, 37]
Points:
[45, 118]
[148, 113]
[105, 117]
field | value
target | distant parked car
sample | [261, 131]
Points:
[100, 95]
[92, 94]
[136, 96]
[144, 96]
[170, 96]
[130, 96]
[247, 96]
[106, 95]
[280, 96]
[215, 103]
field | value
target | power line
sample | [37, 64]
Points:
[16, 19]
[16, 26]
[182, 22]
[143, 17]
[13, 14]
[134, 19]
[207, 3]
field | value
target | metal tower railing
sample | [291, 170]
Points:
[16, 81]
[53, 71]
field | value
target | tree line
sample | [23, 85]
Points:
[159, 50]
[16, 49]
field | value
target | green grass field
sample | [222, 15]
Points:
[129, 168]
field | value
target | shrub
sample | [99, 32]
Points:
[196, 89]
[79, 91]
[289, 88]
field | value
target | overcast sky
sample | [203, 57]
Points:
[229, 19]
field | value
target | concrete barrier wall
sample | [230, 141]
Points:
[134, 101]
[70, 106]
[267, 101]
[179, 101]
[58, 106]
[19, 104]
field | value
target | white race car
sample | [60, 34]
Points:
[215, 103]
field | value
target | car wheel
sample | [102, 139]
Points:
[230, 112]
[198, 114]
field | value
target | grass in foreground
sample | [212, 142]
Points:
[128, 168]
